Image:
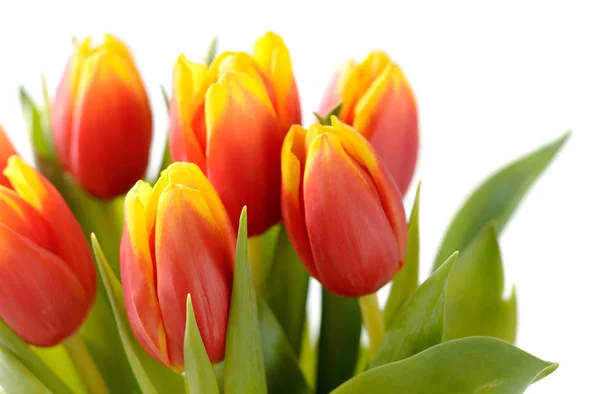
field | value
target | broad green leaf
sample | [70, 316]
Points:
[58, 360]
[470, 365]
[15, 378]
[474, 304]
[10, 342]
[339, 341]
[419, 323]
[406, 280]
[497, 198]
[211, 51]
[261, 249]
[287, 291]
[199, 375]
[326, 120]
[244, 364]
[151, 376]
[283, 372]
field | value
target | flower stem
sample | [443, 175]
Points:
[85, 364]
[373, 319]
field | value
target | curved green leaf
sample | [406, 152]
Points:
[10, 342]
[339, 341]
[57, 359]
[419, 323]
[283, 372]
[406, 280]
[469, 365]
[199, 375]
[497, 198]
[474, 304]
[287, 291]
[261, 249]
[151, 376]
[244, 364]
[15, 378]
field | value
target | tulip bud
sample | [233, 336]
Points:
[46, 269]
[177, 240]
[101, 119]
[6, 151]
[230, 119]
[341, 208]
[377, 100]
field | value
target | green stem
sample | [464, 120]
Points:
[85, 364]
[373, 319]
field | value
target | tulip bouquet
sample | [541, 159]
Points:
[197, 279]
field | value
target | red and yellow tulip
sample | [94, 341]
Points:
[342, 209]
[101, 118]
[379, 102]
[6, 151]
[46, 269]
[177, 240]
[230, 119]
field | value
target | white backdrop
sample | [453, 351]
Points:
[492, 82]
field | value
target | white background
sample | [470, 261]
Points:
[492, 82]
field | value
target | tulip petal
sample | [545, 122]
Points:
[292, 196]
[187, 137]
[387, 116]
[244, 147]
[193, 256]
[6, 151]
[43, 197]
[47, 304]
[110, 103]
[138, 275]
[273, 57]
[366, 255]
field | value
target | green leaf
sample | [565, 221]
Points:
[470, 365]
[10, 342]
[36, 124]
[308, 357]
[287, 291]
[406, 280]
[199, 374]
[497, 198]
[419, 323]
[339, 340]
[474, 304]
[16, 378]
[211, 51]
[58, 360]
[261, 249]
[283, 372]
[151, 376]
[326, 120]
[244, 364]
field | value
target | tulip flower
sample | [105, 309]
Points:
[177, 240]
[46, 269]
[342, 209]
[377, 100]
[6, 151]
[101, 119]
[230, 119]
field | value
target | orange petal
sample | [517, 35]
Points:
[138, 275]
[273, 58]
[6, 151]
[70, 244]
[387, 116]
[244, 149]
[353, 244]
[193, 256]
[102, 157]
[293, 158]
[40, 298]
